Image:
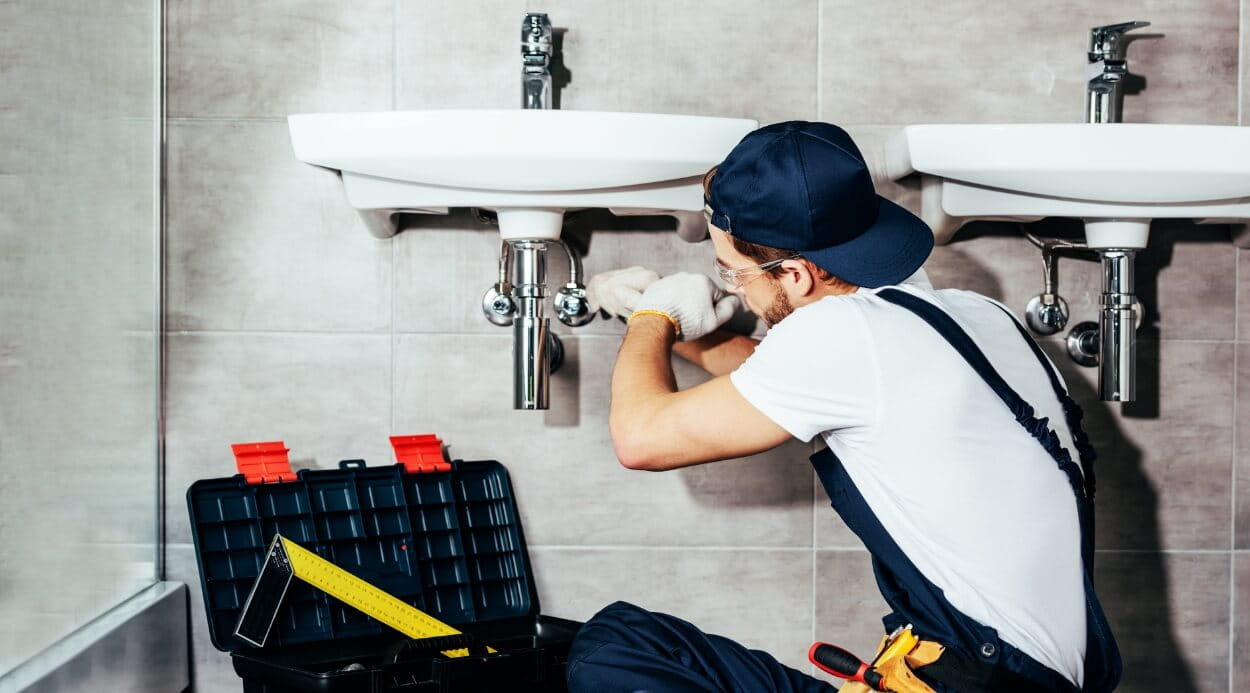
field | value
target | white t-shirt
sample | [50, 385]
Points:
[971, 498]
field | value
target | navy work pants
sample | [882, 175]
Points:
[628, 649]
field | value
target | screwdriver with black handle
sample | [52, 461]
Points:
[834, 660]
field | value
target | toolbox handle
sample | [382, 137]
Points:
[352, 464]
[421, 454]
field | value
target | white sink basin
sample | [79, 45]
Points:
[1117, 177]
[527, 165]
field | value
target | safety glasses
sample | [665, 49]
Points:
[737, 278]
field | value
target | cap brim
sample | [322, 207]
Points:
[891, 250]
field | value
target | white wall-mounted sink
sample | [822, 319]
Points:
[530, 166]
[1117, 177]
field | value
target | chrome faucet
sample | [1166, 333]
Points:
[1106, 71]
[536, 61]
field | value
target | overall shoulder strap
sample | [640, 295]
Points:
[1023, 412]
[1072, 412]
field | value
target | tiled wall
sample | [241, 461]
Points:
[287, 320]
[78, 321]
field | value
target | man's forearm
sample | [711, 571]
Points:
[718, 353]
[643, 374]
[644, 366]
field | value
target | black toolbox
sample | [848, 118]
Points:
[442, 536]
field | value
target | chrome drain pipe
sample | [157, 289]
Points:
[531, 344]
[1117, 326]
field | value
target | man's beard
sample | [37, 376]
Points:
[779, 309]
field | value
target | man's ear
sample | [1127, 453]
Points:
[799, 280]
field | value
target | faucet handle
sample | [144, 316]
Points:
[1105, 41]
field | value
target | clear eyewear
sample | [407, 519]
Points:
[734, 278]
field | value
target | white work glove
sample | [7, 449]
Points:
[617, 291]
[693, 301]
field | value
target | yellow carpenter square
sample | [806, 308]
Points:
[357, 593]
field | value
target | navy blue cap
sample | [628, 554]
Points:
[804, 186]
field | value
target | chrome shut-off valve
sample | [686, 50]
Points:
[498, 305]
[1047, 312]
[571, 305]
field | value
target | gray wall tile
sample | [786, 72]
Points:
[677, 57]
[211, 669]
[458, 55]
[1163, 467]
[762, 599]
[1245, 74]
[461, 388]
[901, 62]
[326, 396]
[1241, 516]
[441, 274]
[848, 605]
[1241, 622]
[74, 58]
[1243, 294]
[233, 58]
[257, 240]
[1169, 613]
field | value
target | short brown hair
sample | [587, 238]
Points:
[766, 253]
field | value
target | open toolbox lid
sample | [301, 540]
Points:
[442, 536]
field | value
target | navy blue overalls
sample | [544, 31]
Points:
[625, 648]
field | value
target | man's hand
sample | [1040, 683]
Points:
[616, 292]
[693, 301]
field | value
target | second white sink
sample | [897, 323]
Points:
[1105, 174]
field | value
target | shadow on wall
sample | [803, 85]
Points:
[1133, 587]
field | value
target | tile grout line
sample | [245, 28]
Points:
[815, 499]
[820, 50]
[1232, 540]
[1176, 552]
[785, 549]
[394, 247]
[394, 54]
[193, 120]
[713, 548]
[1241, 64]
[454, 333]
[820, 34]
[394, 335]
[1232, 516]
[1232, 532]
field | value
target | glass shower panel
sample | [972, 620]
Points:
[79, 325]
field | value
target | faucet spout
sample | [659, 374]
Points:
[536, 49]
[1105, 71]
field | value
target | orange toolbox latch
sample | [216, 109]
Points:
[420, 453]
[263, 463]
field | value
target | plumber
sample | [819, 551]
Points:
[947, 440]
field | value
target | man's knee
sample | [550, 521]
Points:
[613, 624]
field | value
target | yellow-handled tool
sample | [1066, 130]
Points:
[891, 670]
[287, 560]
